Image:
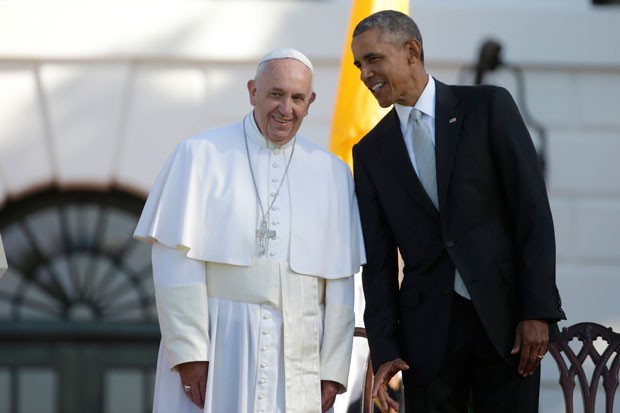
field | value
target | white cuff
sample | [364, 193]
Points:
[337, 344]
[184, 323]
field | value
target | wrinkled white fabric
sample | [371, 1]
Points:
[206, 182]
[202, 213]
[167, 261]
[183, 322]
[253, 333]
[239, 332]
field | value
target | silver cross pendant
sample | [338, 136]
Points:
[264, 234]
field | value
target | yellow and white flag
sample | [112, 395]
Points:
[356, 110]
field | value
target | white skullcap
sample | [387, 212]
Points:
[287, 53]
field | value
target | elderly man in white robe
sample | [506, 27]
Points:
[256, 237]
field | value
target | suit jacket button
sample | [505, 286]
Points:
[447, 291]
[450, 244]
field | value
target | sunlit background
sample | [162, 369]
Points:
[94, 95]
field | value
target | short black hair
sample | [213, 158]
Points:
[394, 27]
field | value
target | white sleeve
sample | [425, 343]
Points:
[3, 263]
[172, 268]
[338, 328]
[182, 305]
[340, 291]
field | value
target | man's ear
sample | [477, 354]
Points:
[252, 91]
[312, 97]
[414, 50]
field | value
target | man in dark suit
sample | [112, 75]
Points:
[478, 297]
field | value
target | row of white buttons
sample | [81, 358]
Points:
[265, 359]
[274, 191]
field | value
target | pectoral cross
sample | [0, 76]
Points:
[264, 234]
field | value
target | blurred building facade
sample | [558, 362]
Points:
[94, 95]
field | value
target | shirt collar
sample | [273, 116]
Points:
[255, 136]
[425, 104]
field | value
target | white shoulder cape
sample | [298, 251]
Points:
[203, 202]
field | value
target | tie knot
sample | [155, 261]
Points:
[415, 114]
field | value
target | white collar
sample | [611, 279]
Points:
[425, 104]
[255, 136]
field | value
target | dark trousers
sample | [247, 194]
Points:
[472, 367]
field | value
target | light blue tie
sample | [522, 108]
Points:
[424, 152]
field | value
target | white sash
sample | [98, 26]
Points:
[298, 297]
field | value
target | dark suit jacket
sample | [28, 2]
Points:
[495, 226]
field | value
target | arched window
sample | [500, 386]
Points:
[77, 311]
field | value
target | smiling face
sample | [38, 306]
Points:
[281, 95]
[393, 74]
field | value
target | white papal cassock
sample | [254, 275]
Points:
[277, 324]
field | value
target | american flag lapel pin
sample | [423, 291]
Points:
[452, 119]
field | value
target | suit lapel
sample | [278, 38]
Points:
[448, 120]
[396, 158]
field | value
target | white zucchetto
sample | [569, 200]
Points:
[287, 53]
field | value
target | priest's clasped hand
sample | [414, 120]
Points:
[329, 391]
[194, 380]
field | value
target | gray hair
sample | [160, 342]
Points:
[394, 27]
